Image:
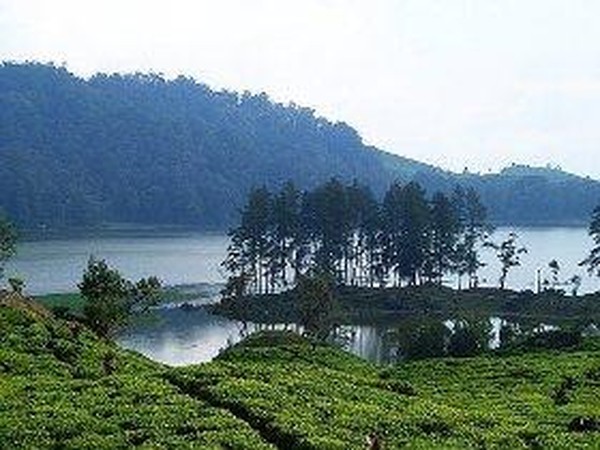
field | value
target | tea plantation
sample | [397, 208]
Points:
[316, 397]
[61, 387]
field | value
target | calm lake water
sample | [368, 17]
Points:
[56, 265]
[183, 336]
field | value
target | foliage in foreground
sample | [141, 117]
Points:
[111, 300]
[61, 387]
[311, 396]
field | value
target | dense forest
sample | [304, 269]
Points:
[142, 149]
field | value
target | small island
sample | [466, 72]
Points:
[390, 262]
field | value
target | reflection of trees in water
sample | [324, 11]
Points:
[418, 337]
[421, 337]
[367, 341]
[245, 329]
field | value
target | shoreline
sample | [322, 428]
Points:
[172, 296]
[360, 305]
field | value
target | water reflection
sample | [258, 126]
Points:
[186, 335]
[182, 336]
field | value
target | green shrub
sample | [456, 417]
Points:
[464, 342]
[553, 339]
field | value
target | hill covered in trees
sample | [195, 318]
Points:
[142, 149]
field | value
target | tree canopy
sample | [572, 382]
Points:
[342, 231]
[111, 300]
[592, 261]
[509, 254]
[8, 239]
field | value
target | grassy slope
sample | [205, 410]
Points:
[73, 302]
[54, 392]
[321, 398]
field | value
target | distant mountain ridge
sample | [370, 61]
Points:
[141, 149]
[551, 173]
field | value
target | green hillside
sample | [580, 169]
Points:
[139, 149]
[60, 387]
[321, 398]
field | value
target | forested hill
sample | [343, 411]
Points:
[523, 195]
[141, 149]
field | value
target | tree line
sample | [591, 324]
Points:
[342, 230]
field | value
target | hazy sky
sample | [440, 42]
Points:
[476, 84]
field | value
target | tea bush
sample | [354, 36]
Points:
[54, 393]
[278, 390]
[307, 396]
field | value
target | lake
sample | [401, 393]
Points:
[183, 336]
[56, 265]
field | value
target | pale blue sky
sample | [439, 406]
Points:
[455, 83]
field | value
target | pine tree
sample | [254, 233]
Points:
[286, 232]
[251, 244]
[473, 232]
[406, 218]
[363, 218]
[592, 261]
[326, 218]
[443, 234]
